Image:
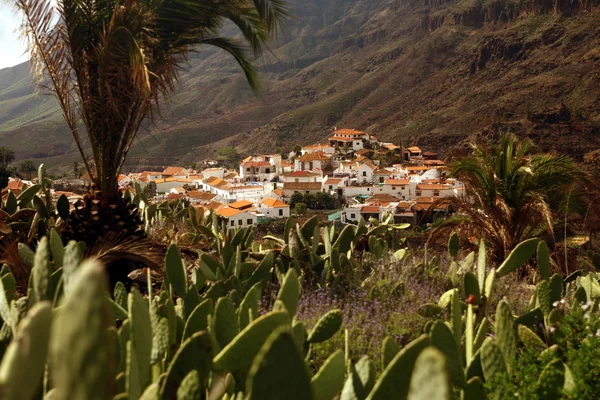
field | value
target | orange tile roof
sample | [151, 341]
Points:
[341, 139]
[200, 195]
[121, 177]
[333, 181]
[228, 212]
[278, 192]
[242, 204]
[172, 171]
[433, 186]
[397, 181]
[271, 202]
[299, 174]
[370, 210]
[165, 180]
[417, 168]
[414, 149]
[316, 156]
[349, 132]
[317, 146]
[391, 146]
[302, 186]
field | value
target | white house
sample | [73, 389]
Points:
[237, 218]
[312, 161]
[324, 148]
[434, 190]
[124, 181]
[217, 172]
[263, 168]
[347, 140]
[301, 176]
[176, 172]
[365, 172]
[166, 184]
[274, 208]
[334, 185]
[289, 188]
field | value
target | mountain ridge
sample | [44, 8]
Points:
[428, 72]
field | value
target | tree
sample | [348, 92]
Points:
[27, 168]
[6, 157]
[300, 208]
[76, 171]
[298, 150]
[111, 63]
[512, 192]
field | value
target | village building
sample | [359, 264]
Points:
[349, 140]
[273, 208]
[289, 188]
[312, 161]
[241, 214]
[165, 185]
[200, 197]
[262, 168]
[302, 176]
[176, 172]
[323, 148]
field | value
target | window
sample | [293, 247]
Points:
[249, 221]
[281, 212]
[393, 187]
[364, 173]
[239, 222]
[353, 216]
[268, 170]
[232, 223]
[418, 193]
[436, 193]
[247, 169]
[330, 187]
[297, 180]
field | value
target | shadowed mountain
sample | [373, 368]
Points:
[428, 72]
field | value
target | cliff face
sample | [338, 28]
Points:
[430, 72]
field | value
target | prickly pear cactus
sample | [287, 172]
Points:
[24, 361]
[191, 387]
[326, 327]
[328, 381]
[277, 361]
[81, 362]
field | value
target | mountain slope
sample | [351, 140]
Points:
[430, 72]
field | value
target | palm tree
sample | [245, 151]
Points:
[6, 157]
[110, 63]
[512, 193]
[27, 168]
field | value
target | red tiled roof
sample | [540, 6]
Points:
[302, 186]
[433, 186]
[240, 205]
[349, 132]
[199, 195]
[316, 156]
[370, 210]
[172, 171]
[300, 174]
[333, 181]
[341, 139]
[271, 202]
[397, 182]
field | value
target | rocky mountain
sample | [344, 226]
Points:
[427, 72]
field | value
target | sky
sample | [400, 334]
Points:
[12, 47]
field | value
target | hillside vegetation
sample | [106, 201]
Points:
[428, 72]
